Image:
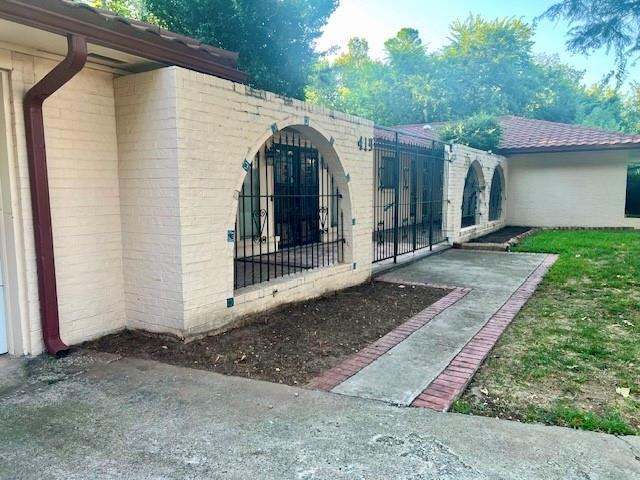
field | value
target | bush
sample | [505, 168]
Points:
[480, 131]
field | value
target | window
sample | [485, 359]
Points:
[470, 198]
[495, 196]
[632, 208]
[387, 173]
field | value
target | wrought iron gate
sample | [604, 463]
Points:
[407, 195]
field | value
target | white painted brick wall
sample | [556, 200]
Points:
[574, 189]
[214, 127]
[83, 176]
[460, 159]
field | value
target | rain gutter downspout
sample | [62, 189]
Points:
[39, 185]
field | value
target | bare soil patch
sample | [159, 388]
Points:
[290, 345]
[501, 236]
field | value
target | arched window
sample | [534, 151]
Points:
[470, 198]
[495, 197]
[290, 212]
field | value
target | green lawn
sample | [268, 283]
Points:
[574, 349]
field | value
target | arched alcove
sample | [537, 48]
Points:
[473, 187]
[496, 194]
[292, 208]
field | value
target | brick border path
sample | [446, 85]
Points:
[354, 363]
[453, 380]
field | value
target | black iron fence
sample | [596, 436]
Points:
[290, 215]
[408, 193]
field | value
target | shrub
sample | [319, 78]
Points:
[480, 131]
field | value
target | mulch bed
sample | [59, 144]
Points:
[501, 236]
[290, 345]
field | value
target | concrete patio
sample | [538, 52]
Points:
[101, 417]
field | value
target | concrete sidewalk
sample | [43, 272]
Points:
[100, 417]
[401, 374]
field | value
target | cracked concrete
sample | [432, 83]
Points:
[108, 418]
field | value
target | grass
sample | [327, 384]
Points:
[574, 349]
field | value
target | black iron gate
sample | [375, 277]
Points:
[408, 194]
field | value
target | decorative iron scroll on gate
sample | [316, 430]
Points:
[290, 216]
[408, 193]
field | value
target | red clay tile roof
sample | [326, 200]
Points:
[521, 135]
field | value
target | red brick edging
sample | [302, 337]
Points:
[453, 380]
[354, 363]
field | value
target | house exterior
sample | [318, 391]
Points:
[145, 185]
[128, 162]
[562, 175]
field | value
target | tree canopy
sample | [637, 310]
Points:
[487, 67]
[275, 39]
[610, 24]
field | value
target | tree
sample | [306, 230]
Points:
[488, 66]
[275, 38]
[480, 131]
[596, 24]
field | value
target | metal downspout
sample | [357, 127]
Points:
[39, 185]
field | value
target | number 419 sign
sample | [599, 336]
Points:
[365, 144]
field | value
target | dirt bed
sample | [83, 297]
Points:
[291, 345]
[501, 236]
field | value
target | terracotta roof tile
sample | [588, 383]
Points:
[528, 135]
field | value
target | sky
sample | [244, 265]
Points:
[378, 20]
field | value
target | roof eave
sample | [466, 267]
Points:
[568, 148]
[118, 36]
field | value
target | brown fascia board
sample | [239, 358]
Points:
[114, 32]
[568, 149]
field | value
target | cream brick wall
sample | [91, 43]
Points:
[150, 207]
[217, 125]
[83, 176]
[575, 189]
[460, 159]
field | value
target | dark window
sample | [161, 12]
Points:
[495, 197]
[470, 198]
[632, 208]
[387, 173]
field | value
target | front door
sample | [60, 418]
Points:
[296, 194]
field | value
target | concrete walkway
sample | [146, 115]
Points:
[100, 417]
[401, 374]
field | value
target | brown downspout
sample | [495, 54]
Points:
[39, 185]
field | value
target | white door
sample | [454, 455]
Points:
[3, 318]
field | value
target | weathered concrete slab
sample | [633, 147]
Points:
[401, 374]
[135, 419]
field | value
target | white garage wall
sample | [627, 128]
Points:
[571, 189]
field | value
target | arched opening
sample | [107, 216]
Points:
[496, 195]
[471, 196]
[290, 211]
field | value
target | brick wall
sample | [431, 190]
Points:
[460, 159]
[83, 176]
[149, 188]
[217, 125]
[571, 189]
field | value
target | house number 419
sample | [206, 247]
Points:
[365, 143]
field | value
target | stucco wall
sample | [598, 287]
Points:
[576, 189]
[460, 159]
[83, 176]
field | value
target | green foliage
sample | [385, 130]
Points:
[487, 67]
[275, 39]
[609, 24]
[575, 342]
[479, 131]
